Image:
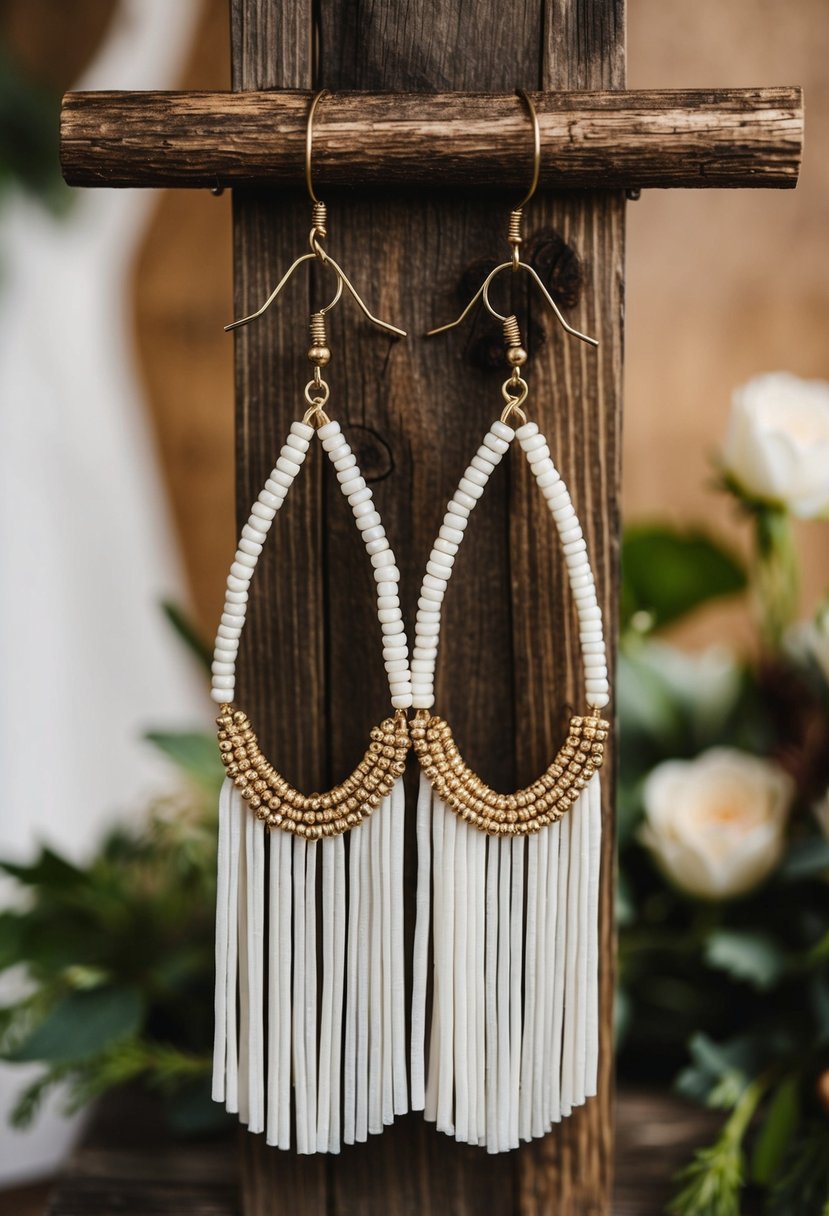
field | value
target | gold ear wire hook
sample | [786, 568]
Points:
[318, 232]
[514, 238]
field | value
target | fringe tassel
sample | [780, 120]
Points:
[515, 952]
[335, 1026]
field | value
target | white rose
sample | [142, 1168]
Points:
[777, 444]
[716, 825]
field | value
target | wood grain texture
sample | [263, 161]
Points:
[415, 412]
[599, 139]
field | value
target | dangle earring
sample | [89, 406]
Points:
[514, 878]
[345, 1063]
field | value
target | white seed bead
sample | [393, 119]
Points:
[302, 429]
[387, 573]
[251, 534]
[222, 696]
[428, 614]
[449, 535]
[223, 681]
[392, 628]
[502, 431]
[462, 499]
[236, 597]
[599, 672]
[383, 558]
[538, 456]
[477, 478]
[526, 432]
[261, 511]
[468, 486]
[232, 619]
[485, 459]
[385, 615]
[236, 584]
[422, 665]
[394, 652]
[591, 614]
[279, 491]
[592, 648]
[481, 466]
[495, 444]
[229, 631]
[362, 508]
[336, 445]
[296, 442]
[387, 589]
[226, 649]
[279, 483]
[442, 545]
[286, 466]
[327, 429]
[346, 461]
[374, 533]
[222, 669]
[595, 687]
[396, 665]
[428, 629]
[457, 508]
[405, 702]
[377, 546]
[245, 559]
[345, 477]
[385, 602]
[369, 520]
[434, 583]
[531, 443]
[569, 534]
[239, 571]
[360, 492]
[425, 652]
[265, 499]
[254, 548]
[548, 476]
[400, 686]
[292, 458]
[424, 605]
[435, 570]
[442, 559]
[435, 594]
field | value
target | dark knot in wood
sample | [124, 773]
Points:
[373, 453]
[560, 269]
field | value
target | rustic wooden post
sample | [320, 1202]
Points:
[415, 411]
[310, 674]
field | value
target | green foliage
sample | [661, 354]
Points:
[778, 1131]
[29, 138]
[119, 955]
[746, 955]
[667, 574]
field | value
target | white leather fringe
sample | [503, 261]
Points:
[315, 1057]
[513, 1045]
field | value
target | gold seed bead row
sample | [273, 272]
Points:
[275, 802]
[527, 810]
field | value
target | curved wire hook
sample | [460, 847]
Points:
[530, 104]
[483, 293]
[309, 142]
[305, 257]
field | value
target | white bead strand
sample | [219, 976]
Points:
[384, 568]
[262, 513]
[580, 574]
[442, 558]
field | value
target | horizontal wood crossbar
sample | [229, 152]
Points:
[612, 140]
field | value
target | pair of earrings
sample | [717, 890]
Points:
[508, 884]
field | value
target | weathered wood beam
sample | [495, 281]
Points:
[601, 139]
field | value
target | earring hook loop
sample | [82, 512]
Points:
[533, 112]
[309, 143]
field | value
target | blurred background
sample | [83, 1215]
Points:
[116, 469]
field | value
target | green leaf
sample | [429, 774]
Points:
[666, 574]
[188, 633]
[806, 859]
[49, 870]
[778, 1131]
[82, 1024]
[753, 957]
[194, 752]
